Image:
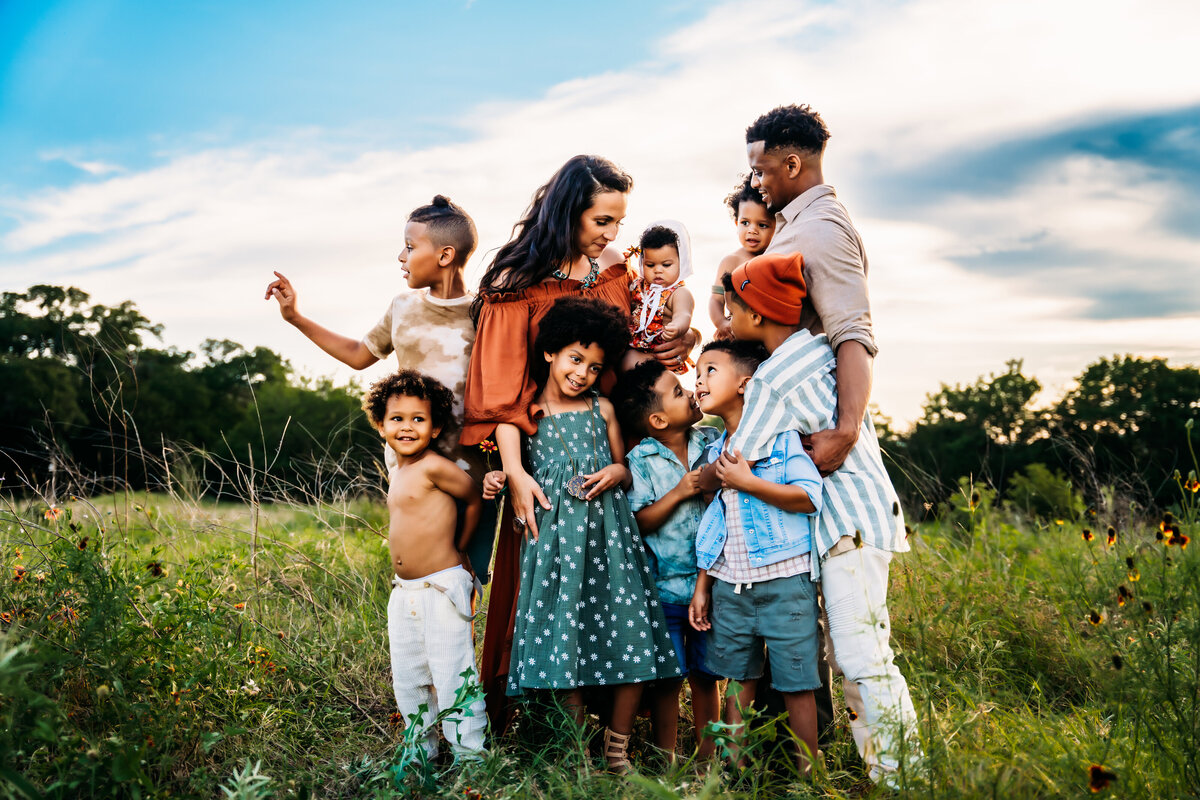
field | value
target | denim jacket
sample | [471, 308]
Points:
[772, 534]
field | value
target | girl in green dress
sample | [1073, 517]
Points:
[587, 611]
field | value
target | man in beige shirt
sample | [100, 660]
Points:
[785, 147]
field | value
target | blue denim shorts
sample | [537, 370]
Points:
[779, 617]
[691, 645]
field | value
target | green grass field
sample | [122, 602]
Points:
[157, 647]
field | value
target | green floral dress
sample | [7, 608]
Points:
[587, 610]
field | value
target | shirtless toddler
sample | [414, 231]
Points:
[429, 613]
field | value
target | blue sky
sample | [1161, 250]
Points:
[1025, 175]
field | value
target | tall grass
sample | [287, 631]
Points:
[159, 644]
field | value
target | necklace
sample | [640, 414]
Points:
[588, 280]
[575, 484]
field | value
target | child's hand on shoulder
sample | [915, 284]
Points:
[493, 484]
[733, 471]
[602, 480]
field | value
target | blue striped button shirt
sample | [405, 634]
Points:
[796, 389]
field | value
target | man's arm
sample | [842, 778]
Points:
[351, 352]
[854, 369]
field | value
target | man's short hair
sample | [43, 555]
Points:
[745, 354]
[658, 236]
[409, 383]
[446, 224]
[635, 399]
[791, 128]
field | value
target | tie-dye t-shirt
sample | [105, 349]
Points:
[434, 337]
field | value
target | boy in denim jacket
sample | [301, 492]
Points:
[755, 589]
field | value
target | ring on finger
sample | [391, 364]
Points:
[519, 522]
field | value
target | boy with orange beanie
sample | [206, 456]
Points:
[860, 524]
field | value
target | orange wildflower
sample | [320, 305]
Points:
[1192, 485]
[1087, 535]
[1095, 617]
[239, 606]
[1112, 535]
[1099, 778]
[53, 513]
[19, 573]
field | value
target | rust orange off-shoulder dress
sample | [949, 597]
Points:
[499, 389]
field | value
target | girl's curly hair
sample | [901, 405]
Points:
[409, 383]
[584, 320]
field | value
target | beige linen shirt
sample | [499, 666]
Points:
[432, 336]
[817, 226]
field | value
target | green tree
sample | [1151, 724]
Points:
[1124, 422]
[984, 431]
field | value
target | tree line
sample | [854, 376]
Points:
[88, 402]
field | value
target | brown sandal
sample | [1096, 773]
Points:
[616, 748]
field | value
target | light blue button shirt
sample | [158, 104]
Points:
[656, 470]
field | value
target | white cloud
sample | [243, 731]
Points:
[193, 241]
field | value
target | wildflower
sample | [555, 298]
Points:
[155, 568]
[40, 577]
[1192, 485]
[488, 446]
[1177, 538]
[909, 532]
[1112, 535]
[1087, 535]
[280, 635]
[1123, 594]
[975, 498]
[19, 573]
[853, 714]
[1058, 522]
[1099, 778]
[5, 617]
[239, 606]
[1117, 661]
[396, 719]
[1095, 617]
[53, 513]
[103, 691]
[17, 553]
[83, 543]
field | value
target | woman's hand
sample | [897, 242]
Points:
[493, 484]
[525, 494]
[673, 352]
[603, 480]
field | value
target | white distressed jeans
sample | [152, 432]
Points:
[883, 721]
[429, 632]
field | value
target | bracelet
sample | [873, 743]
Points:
[718, 289]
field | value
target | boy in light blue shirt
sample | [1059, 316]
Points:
[668, 505]
[755, 589]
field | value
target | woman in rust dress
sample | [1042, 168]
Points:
[563, 246]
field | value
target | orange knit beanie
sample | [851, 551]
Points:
[773, 285]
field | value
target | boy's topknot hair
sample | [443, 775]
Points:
[409, 383]
[744, 193]
[447, 224]
[790, 127]
[746, 355]
[659, 236]
[584, 320]
[634, 397]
